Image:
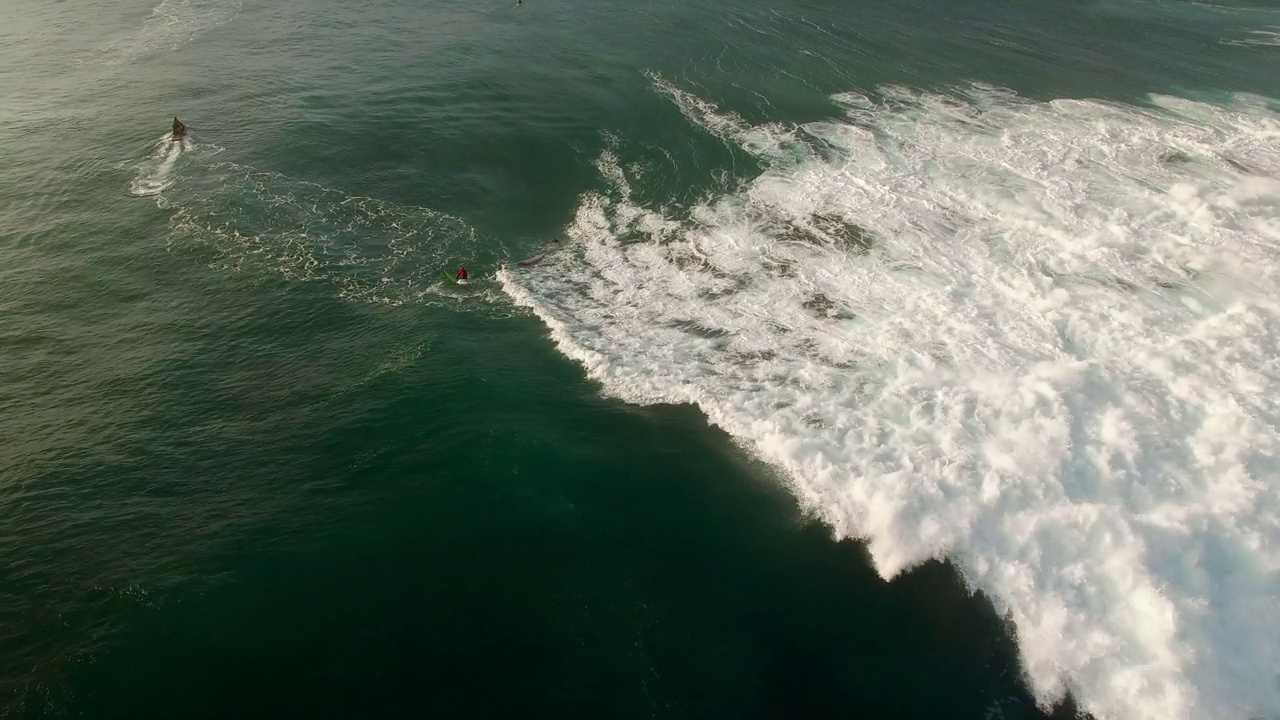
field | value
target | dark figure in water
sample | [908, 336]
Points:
[179, 130]
[461, 274]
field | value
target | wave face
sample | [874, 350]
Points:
[1041, 340]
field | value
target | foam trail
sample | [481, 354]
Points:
[172, 24]
[241, 218]
[153, 174]
[1264, 37]
[1039, 339]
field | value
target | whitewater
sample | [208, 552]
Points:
[154, 175]
[1037, 339]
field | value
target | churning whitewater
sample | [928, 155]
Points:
[1039, 339]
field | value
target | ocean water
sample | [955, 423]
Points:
[909, 359]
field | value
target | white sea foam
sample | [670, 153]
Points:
[1268, 37]
[172, 24]
[1039, 339]
[266, 223]
[153, 175]
[369, 250]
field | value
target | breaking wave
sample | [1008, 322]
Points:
[1039, 339]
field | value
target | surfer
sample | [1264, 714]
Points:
[461, 274]
[179, 130]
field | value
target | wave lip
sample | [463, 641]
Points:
[1038, 339]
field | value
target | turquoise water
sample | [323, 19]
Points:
[887, 360]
